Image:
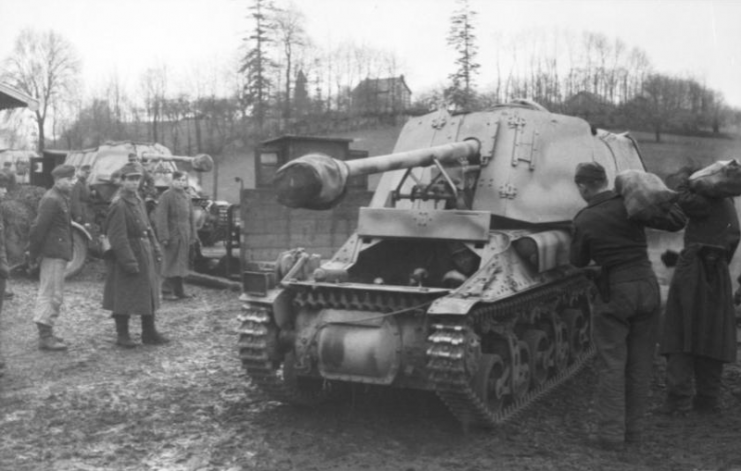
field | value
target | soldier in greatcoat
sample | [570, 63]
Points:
[176, 231]
[699, 333]
[132, 283]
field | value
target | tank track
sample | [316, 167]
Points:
[257, 340]
[258, 349]
[449, 351]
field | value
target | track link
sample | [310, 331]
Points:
[452, 341]
[257, 347]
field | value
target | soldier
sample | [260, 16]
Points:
[176, 231]
[80, 197]
[132, 284]
[699, 333]
[4, 268]
[51, 241]
[147, 190]
[627, 308]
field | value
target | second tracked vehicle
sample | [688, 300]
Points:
[457, 279]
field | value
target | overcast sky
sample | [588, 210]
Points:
[697, 37]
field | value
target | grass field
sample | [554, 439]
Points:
[674, 152]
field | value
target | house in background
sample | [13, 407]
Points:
[381, 96]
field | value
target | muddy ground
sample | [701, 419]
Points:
[189, 406]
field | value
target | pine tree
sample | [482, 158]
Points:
[461, 92]
[256, 63]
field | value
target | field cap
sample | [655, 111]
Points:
[589, 172]
[63, 171]
[131, 168]
[133, 157]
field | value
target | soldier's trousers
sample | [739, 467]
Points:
[625, 335]
[51, 291]
[681, 368]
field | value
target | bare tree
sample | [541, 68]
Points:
[154, 89]
[291, 34]
[44, 65]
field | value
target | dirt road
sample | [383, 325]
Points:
[188, 406]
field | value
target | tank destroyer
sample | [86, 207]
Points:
[457, 279]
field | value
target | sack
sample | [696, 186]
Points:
[645, 195]
[719, 180]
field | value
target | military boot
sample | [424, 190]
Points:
[150, 336]
[123, 339]
[706, 404]
[674, 405]
[177, 284]
[47, 340]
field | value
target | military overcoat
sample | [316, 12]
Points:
[132, 283]
[700, 317]
[176, 231]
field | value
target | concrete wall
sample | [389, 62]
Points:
[269, 228]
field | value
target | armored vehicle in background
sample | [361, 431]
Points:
[457, 278]
[104, 161]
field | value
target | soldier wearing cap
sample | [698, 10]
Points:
[132, 283]
[80, 197]
[51, 244]
[4, 267]
[626, 310]
[174, 221]
[147, 189]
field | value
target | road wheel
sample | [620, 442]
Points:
[490, 382]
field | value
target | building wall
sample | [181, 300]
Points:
[269, 228]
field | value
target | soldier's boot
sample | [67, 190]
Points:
[47, 340]
[177, 283]
[674, 405]
[706, 404]
[123, 339]
[150, 336]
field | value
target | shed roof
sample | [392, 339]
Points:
[12, 98]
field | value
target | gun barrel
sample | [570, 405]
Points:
[199, 163]
[445, 154]
[317, 181]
